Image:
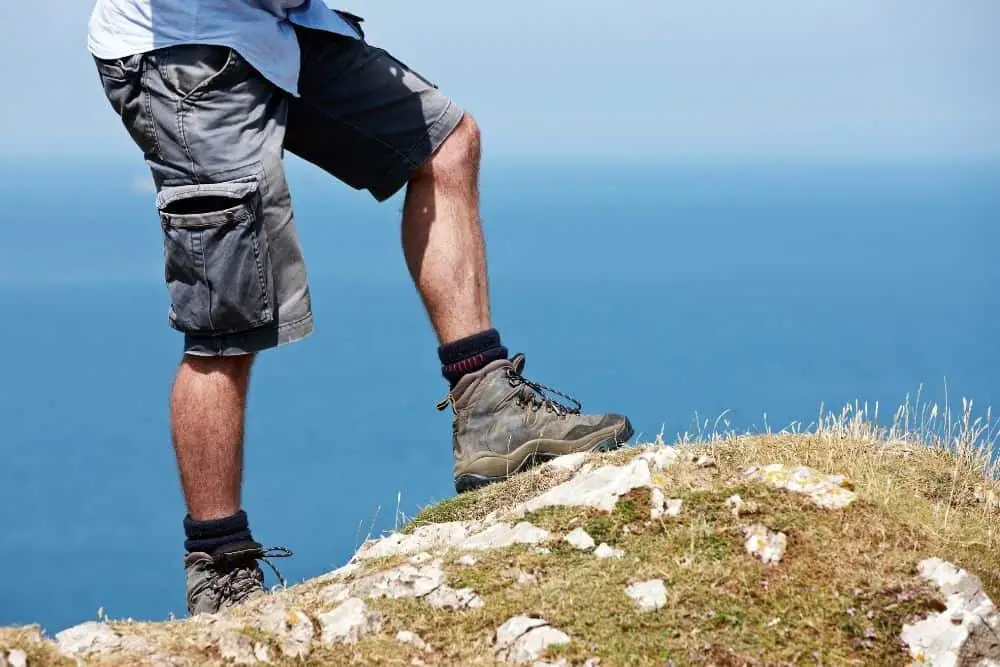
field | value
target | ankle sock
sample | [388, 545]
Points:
[208, 536]
[469, 355]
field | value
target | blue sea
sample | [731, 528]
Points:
[673, 293]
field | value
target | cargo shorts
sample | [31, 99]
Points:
[213, 131]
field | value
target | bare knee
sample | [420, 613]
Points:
[457, 159]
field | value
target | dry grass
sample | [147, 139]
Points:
[936, 473]
[928, 464]
[840, 596]
[27, 640]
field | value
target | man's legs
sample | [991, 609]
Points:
[206, 416]
[443, 240]
[211, 129]
[444, 248]
[376, 124]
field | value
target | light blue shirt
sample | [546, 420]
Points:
[259, 30]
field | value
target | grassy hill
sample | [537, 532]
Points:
[791, 548]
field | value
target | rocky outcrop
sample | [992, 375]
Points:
[967, 632]
[434, 569]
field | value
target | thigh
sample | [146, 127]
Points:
[212, 129]
[363, 115]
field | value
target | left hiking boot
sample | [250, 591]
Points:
[505, 423]
[227, 577]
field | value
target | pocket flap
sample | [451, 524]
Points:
[234, 194]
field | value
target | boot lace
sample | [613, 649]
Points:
[532, 395]
[237, 582]
[537, 396]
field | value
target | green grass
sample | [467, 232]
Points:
[841, 595]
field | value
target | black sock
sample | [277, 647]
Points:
[468, 355]
[208, 536]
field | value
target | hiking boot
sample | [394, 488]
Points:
[228, 576]
[505, 423]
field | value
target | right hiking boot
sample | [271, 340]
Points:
[504, 424]
[227, 577]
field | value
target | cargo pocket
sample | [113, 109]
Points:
[218, 267]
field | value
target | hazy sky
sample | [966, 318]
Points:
[706, 80]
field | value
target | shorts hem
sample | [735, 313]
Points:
[400, 175]
[248, 342]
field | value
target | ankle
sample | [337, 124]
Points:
[470, 354]
[214, 534]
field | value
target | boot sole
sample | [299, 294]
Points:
[471, 482]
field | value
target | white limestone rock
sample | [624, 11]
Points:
[501, 535]
[234, 644]
[604, 551]
[734, 503]
[580, 539]
[292, 628]
[446, 597]
[413, 639]
[341, 573]
[237, 648]
[739, 507]
[600, 488]
[405, 581]
[764, 543]
[348, 623]
[966, 633]
[335, 593]
[526, 578]
[135, 645]
[522, 639]
[657, 504]
[468, 560]
[674, 506]
[515, 627]
[705, 461]
[648, 595]
[826, 491]
[420, 558]
[162, 660]
[87, 638]
[567, 462]
[425, 538]
[659, 458]
[16, 658]
[533, 643]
